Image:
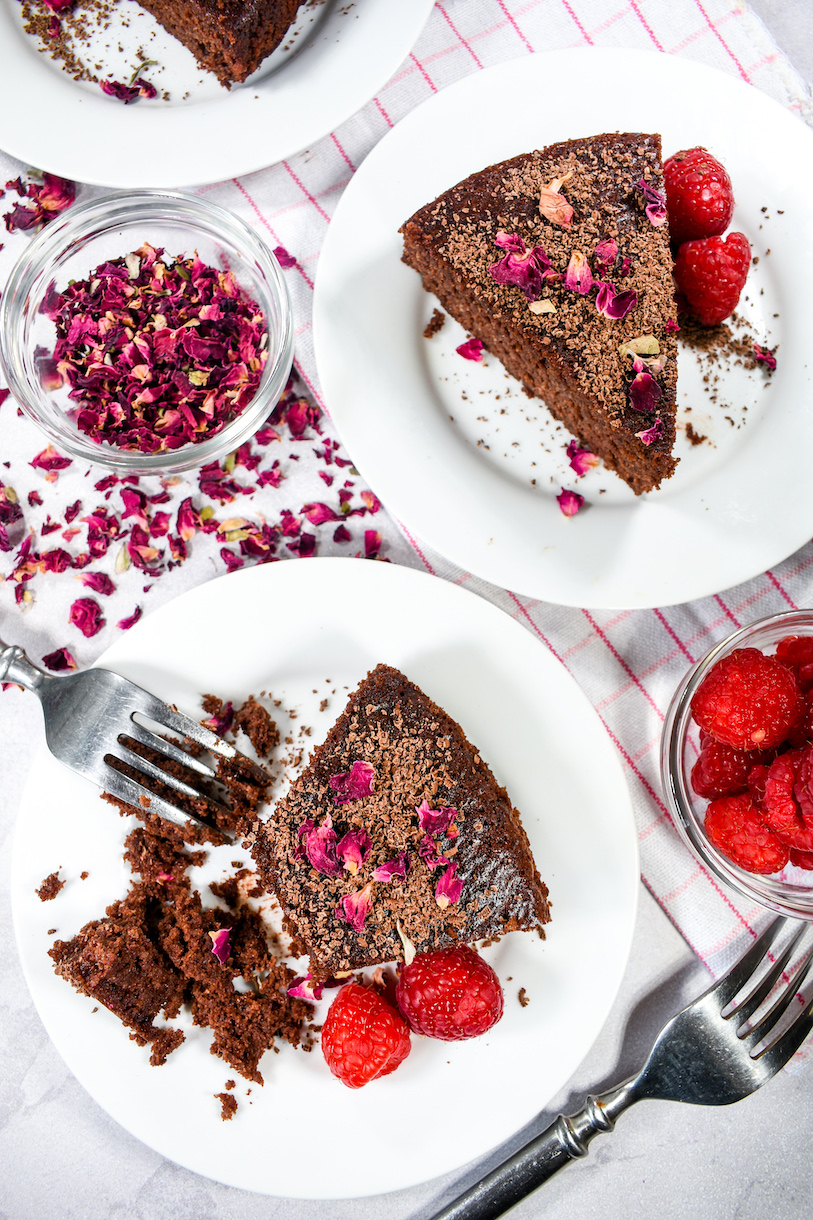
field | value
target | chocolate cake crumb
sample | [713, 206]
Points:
[253, 720]
[694, 437]
[50, 887]
[434, 324]
[523, 997]
[228, 890]
[228, 1106]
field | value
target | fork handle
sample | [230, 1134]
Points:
[16, 667]
[565, 1140]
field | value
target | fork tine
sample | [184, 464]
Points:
[168, 748]
[778, 1053]
[155, 709]
[752, 1001]
[727, 987]
[782, 1003]
[132, 793]
[139, 763]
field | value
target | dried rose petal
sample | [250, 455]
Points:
[220, 722]
[581, 460]
[283, 257]
[99, 582]
[615, 303]
[399, 867]
[86, 614]
[51, 197]
[303, 988]
[569, 502]
[650, 434]
[59, 6]
[353, 849]
[551, 203]
[671, 326]
[353, 785]
[124, 624]
[220, 944]
[644, 392]
[434, 821]
[578, 277]
[765, 356]
[319, 843]
[59, 660]
[521, 267]
[50, 460]
[472, 349]
[428, 851]
[449, 888]
[133, 92]
[354, 908]
[640, 345]
[654, 203]
[606, 251]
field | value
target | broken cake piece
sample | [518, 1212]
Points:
[396, 838]
[558, 261]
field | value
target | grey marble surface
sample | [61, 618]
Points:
[62, 1157]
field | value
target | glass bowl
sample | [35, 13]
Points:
[789, 892]
[73, 245]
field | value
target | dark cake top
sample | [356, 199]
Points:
[396, 836]
[614, 236]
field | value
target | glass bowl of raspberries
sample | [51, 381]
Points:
[149, 331]
[737, 761]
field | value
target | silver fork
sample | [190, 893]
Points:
[89, 715]
[708, 1055]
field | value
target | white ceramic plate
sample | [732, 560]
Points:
[301, 630]
[460, 454]
[333, 61]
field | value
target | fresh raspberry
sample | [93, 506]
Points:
[781, 809]
[699, 198]
[363, 1036]
[711, 274]
[802, 859]
[748, 700]
[721, 770]
[757, 777]
[450, 994]
[797, 652]
[735, 828]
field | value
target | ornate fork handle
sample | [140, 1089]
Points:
[565, 1140]
[16, 667]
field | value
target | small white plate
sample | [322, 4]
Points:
[460, 454]
[302, 631]
[331, 63]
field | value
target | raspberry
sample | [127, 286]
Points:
[735, 828]
[363, 1036]
[748, 700]
[781, 809]
[450, 994]
[797, 652]
[699, 198]
[721, 770]
[711, 274]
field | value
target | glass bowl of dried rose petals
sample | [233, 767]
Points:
[737, 762]
[148, 331]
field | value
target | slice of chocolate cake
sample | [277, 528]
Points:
[396, 836]
[559, 261]
[228, 37]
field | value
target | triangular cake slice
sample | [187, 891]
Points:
[396, 835]
[556, 259]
